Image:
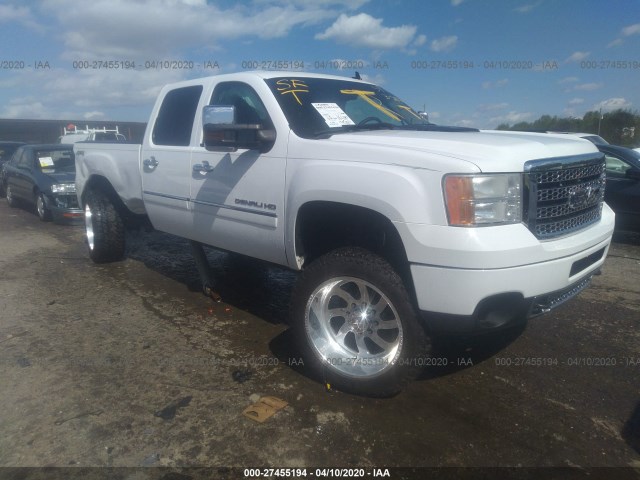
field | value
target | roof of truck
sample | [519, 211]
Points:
[265, 74]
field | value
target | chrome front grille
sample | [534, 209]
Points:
[563, 195]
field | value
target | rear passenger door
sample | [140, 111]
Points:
[166, 160]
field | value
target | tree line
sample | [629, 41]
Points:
[619, 127]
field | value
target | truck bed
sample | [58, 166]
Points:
[117, 162]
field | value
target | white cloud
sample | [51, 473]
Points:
[11, 13]
[444, 44]
[378, 78]
[419, 41]
[148, 28]
[577, 57]
[511, 117]
[363, 30]
[576, 101]
[25, 107]
[82, 93]
[490, 107]
[631, 30]
[21, 15]
[564, 80]
[612, 104]
[587, 87]
[627, 31]
[496, 84]
[94, 115]
[455, 3]
[526, 8]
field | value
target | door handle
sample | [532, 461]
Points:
[203, 167]
[150, 162]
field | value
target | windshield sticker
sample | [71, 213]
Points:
[333, 115]
[374, 102]
[46, 162]
[293, 87]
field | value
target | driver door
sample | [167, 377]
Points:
[237, 198]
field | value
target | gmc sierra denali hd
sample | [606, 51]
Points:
[400, 228]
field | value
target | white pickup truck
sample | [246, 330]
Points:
[401, 228]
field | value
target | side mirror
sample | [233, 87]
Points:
[222, 132]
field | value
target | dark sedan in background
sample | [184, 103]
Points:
[43, 176]
[622, 193]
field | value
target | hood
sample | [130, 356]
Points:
[61, 177]
[488, 150]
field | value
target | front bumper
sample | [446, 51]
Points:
[73, 216]
[64, 209]
[457, 299]
[502, 310]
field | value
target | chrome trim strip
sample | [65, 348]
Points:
[561, 162]
[164, 195]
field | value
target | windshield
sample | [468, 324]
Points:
[321, 106]
[55, 161]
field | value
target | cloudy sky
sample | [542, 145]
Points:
[467, 62]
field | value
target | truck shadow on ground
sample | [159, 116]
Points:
[264, 290]
[253, 286]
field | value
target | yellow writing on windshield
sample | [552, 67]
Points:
[293, 87]
[410, 110]
[366, 96]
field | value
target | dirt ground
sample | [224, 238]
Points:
[129, 365]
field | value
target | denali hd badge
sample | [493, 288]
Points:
[252, 203]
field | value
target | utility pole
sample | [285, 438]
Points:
[599, 120]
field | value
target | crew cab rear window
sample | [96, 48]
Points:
[175, 119]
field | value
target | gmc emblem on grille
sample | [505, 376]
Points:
[580, 197]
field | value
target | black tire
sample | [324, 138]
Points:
[11, 200]
[44, 214]
[373, 347]
[104, 228]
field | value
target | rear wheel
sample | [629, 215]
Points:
[104, 228]
[356, 325]
[11, 200]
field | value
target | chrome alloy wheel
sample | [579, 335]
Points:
[40, 206]
[354, 327]
[88, 224]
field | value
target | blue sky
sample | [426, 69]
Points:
[468, 62]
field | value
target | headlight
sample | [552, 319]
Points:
[64, 188]
[474, 200]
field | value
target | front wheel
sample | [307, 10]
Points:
[356, 325]
[104, 228]
[44, 214]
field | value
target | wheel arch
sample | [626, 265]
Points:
[322, 226]
[101, 183]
